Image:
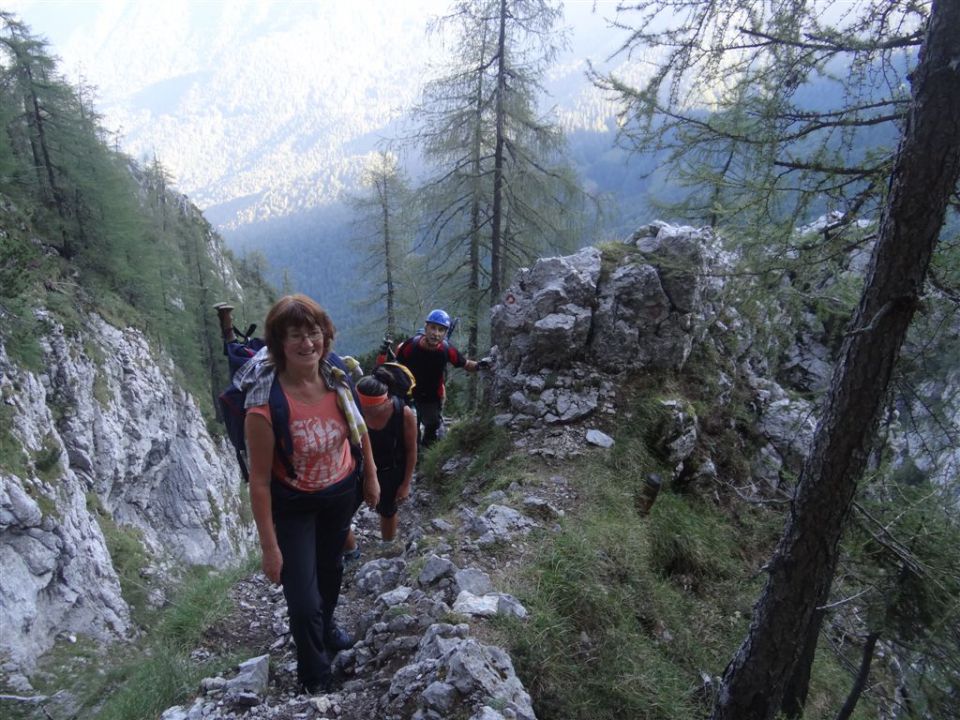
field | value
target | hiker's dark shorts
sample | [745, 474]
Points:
[390, 481]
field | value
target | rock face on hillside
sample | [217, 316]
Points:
[107, 448]
[570, 328]
[567, 324]
[643, 312]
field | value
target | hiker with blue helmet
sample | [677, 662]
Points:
[427, 354]
[303, 507]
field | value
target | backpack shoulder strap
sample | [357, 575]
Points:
[280, 419]
[396, 429]
[397, 419]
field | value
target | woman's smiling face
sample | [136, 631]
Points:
[303, 346]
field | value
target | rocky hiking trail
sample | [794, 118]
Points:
[418, 608]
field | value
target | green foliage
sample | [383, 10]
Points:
[905, 573]
[118, 240]
[627, 614]
[22, 263]
[476, 439]
[768, 135]
[690, 544]
[143, 680]
[127, 555]
[244, 511]
[610, 635]
[202, 599]
[20, 332]
[48, 505]
[384, 225]
[46, 461]
[499, 191]
[144, 689]
[13, 457]
[613, 254]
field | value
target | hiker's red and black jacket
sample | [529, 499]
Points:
[429, 366]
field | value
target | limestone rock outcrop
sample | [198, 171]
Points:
[567, 323]
[102, 442]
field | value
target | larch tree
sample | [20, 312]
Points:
[776, 144]
[53, 131]
[455, 138]
[771, 111]
[29, 71]
[536, 202]
[383, 221]
[500, 193]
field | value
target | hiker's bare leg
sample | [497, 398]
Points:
[225, 316]
[388, 527]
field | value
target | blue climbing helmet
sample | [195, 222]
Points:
[439, 317]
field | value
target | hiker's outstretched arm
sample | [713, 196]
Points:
[371, 486]
[260, 449]
[477, 365]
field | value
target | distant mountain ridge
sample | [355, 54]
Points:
[268, 109]
[267, 112]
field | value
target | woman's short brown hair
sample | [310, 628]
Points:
[295, 311]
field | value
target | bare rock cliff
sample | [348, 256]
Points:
[103, 443]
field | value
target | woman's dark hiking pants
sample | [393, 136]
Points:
[311, 529]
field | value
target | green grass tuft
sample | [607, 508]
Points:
[690, 541]
[476, 438]
[133, 682]
[13, 457]
[611, 634]
[46, 461]
[127, 554]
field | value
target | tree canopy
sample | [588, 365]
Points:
[500, 193]
[95, 229]
[771, 112]
[775, 111]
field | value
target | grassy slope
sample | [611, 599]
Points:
[631, 616]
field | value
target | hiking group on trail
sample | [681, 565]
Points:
[316, 441]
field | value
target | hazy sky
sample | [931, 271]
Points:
[250, 98]
[75, 27]
[139, 54]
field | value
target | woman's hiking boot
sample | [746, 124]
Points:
[337, 639]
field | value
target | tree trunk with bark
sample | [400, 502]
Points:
[383, 189]
[866, 660]
[800, 574]
[496, 245]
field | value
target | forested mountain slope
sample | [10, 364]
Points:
[112, 470]
[706, 374]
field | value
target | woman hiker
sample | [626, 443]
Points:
[392, 427]
[302, 520]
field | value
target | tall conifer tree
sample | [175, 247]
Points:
[383, 222]
[500, 194]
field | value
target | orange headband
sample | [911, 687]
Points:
[372, 400]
